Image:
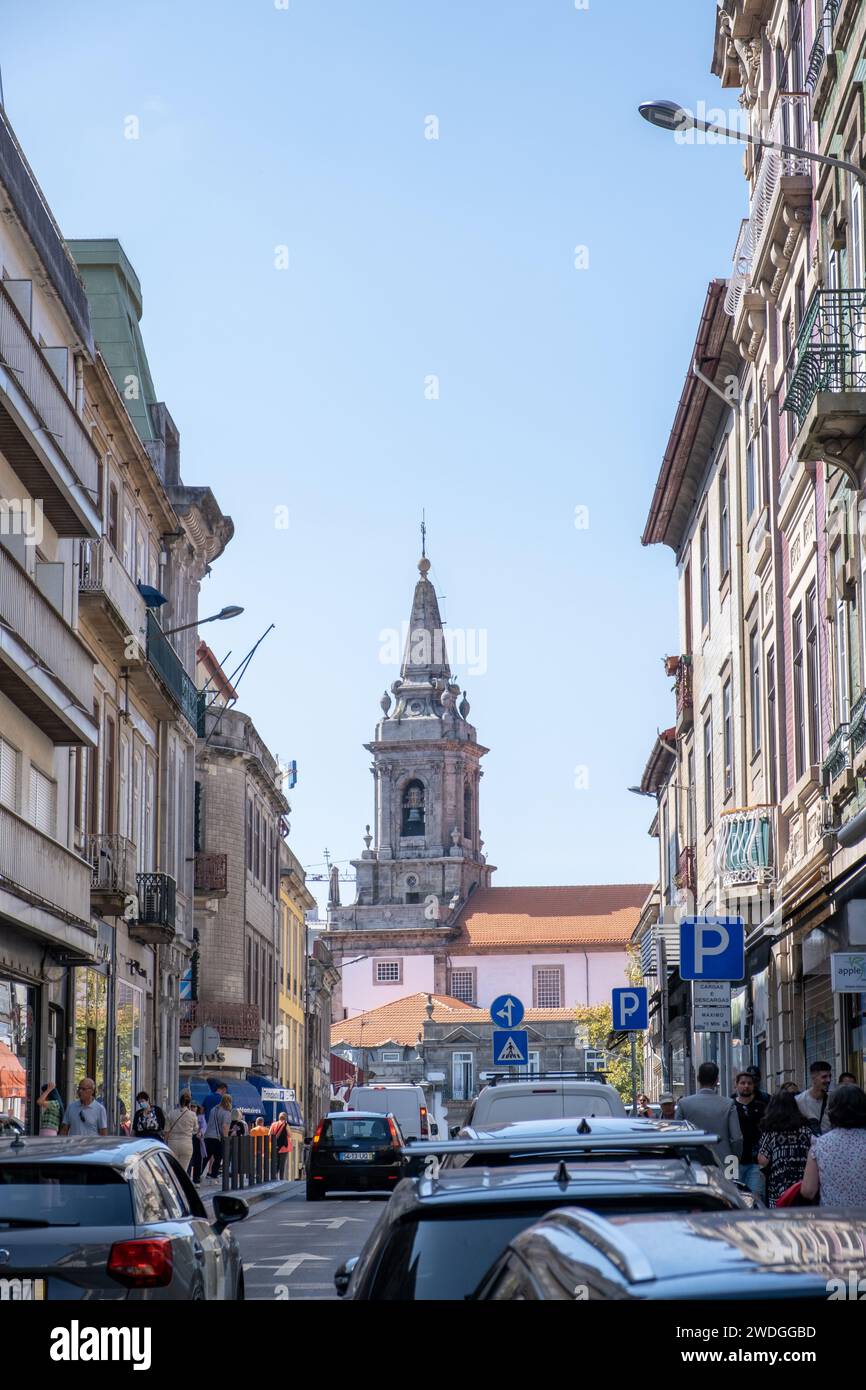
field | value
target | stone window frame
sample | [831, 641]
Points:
[388, 960]
[536, 970]
[472, 971]
[391, 1054]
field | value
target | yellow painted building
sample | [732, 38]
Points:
[295, 901]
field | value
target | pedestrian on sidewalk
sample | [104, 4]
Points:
[238, 1127]
[750, 1113]
[667, 1106]
[280, 1133]
[50, 1110]
[87, 1115]
[216, 1131]
[181, 1130]
[214, 1096]
[713, 1113]
[813, 1103]
[836, 1168]
[784, 1144]
[199, 1153]
[847, 1078]
[148, 1122]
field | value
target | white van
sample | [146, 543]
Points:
[543, 1098]
[407, 1103]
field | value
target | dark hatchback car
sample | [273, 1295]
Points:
[437, 1237]
[354, 1151]
[573, 1255]
[111, 1219]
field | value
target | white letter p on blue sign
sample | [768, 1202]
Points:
[629, 1008]
[712, 948]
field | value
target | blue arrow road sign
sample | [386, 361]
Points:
[630, 1009]
[507, 1011]
[712, 948]
[510, 1047]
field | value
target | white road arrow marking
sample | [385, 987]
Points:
[291, 1264]
[332, 1223]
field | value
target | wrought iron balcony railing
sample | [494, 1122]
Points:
[838, 759]
[169, 667]
[156, 900]
[234, 1022]
[831, 349]
[112, 860]
[746, 847]
[211, 874]
[823, 43]
[686, 876]
[684, 690]
[857, 726]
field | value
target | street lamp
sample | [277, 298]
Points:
[669, 115]
[231, 612]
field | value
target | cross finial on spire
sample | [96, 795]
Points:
[423, 534]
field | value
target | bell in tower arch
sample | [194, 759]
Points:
[413, 809]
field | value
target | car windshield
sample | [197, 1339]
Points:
[346, 1131]
[543, 1105]
[63, 1194]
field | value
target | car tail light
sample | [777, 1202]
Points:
[141, 1264]
[425, 1128]
[395, 1138]
[318, 1134]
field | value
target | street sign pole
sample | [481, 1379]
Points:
[633, 1078]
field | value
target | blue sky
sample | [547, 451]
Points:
[306, 388]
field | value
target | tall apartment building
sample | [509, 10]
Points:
[296, 901]
[139, 591]
[49, 503]
[760, 500]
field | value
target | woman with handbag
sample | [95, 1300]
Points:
[280, 1132]
[181, 1130]
[784, 1146]
[837, 1164]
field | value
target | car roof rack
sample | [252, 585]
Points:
[611, 1241]
[492, 1077]
[675, 1139]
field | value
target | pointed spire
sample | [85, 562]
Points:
[426, 656]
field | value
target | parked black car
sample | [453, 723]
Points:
[111, 1219]
[354, 1151]
[572, 1255]
[438, 1235]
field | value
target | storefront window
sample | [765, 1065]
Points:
[857, 1036]
[17, 1051]
[128, 1033]
[91, 998]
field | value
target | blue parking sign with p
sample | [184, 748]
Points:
[712, 948]
[630, 1009]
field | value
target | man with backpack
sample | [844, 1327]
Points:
[149, 1120]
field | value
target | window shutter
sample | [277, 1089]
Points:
[43, 802]
[8, 775]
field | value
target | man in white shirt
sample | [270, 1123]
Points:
[87, 1115]
[813, 1103]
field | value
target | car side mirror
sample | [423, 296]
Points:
[343, 1275]
[228, 1209]
[453, 1131]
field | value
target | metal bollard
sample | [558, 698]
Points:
[226, 1149]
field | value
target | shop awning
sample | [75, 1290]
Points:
[13, 1076]
[244, 1096]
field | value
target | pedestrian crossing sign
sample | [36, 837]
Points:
[510, 1047]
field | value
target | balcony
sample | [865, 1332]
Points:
[683, 688]
[828, 385]
[746, 848]
[110, 601]
[113, 865]
[45, 670]
[156, 909]
[43, 885]
[821, 68]
[239, 1024]
[836, 768]
[686, 877]
[161, 682]
[42, 437]
[857, 736]
[211, 875]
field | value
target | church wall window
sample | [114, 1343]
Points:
[412, 822]
[548, 986]
[388, 972]
[462, 984]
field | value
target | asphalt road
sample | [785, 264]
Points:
[292, 1247]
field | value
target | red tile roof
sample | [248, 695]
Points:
[583, 915]
[402, 1020]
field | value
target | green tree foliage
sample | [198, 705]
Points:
[595, 1024]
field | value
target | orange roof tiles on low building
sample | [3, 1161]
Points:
[401, 1021]
[582, 915]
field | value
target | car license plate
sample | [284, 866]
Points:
[366, 1156]
[21, 1289]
